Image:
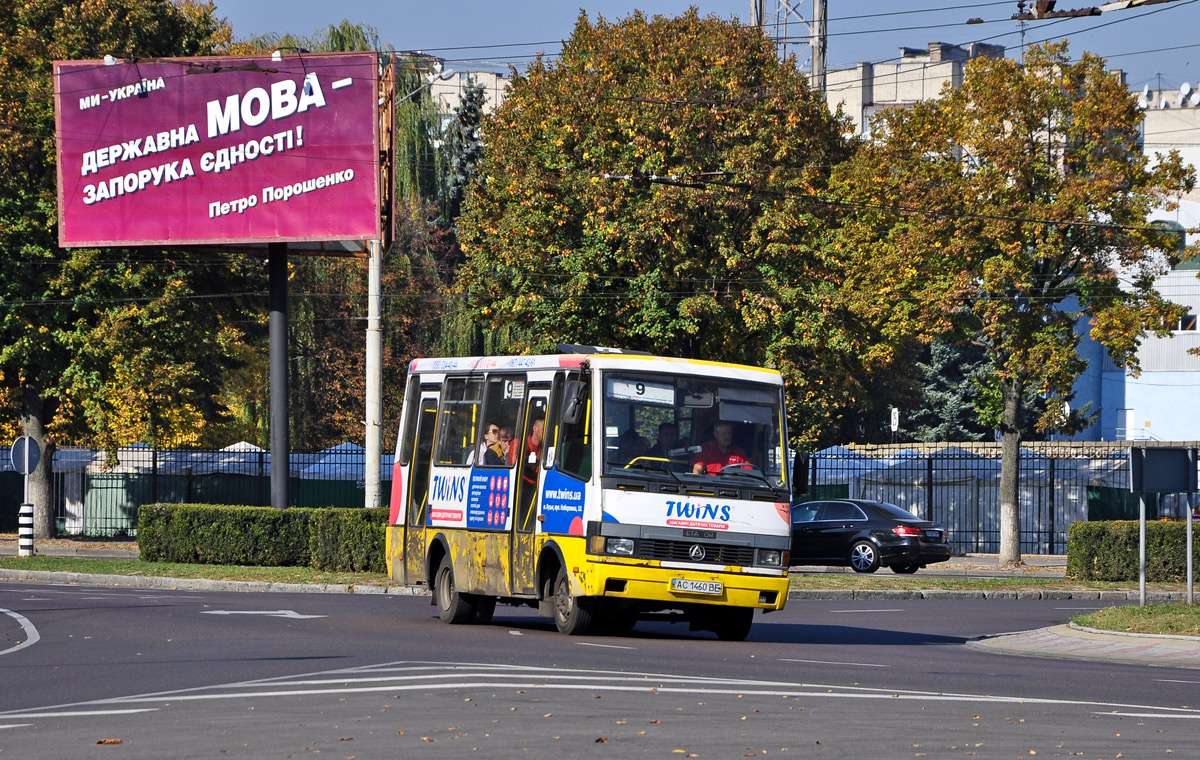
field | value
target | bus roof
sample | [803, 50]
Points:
[467, 364]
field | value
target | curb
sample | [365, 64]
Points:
[1102, 632]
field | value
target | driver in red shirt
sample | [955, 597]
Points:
[719, 452]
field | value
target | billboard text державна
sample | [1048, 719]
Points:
[218, 150]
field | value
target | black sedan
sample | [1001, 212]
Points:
[864, 535]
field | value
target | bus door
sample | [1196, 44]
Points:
[528, 478]
[418, 491]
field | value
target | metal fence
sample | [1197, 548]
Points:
[958, 486]
[95, 497]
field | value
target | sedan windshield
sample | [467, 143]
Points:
[693, 426]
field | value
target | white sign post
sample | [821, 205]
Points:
[25, 456]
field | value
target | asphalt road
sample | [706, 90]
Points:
[191, 674]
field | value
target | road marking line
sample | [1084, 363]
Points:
[850, 611]
[267, 613]
[16, 725]
[835, 662]
[603, 646]
[79, 713]
[1147, 715]
[1174, 680]
[31, 630]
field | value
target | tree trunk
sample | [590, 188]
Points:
[1010, 462]
[36, 413]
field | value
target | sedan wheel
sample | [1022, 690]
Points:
[864, 557]
[905, 569]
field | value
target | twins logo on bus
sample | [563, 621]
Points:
[690, 515]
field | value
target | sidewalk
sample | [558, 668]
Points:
[1071, 642]
[1060, 641]
[100, 548]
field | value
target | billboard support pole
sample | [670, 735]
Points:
[374, 400]
[278, 328]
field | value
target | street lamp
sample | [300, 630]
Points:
[432, 79]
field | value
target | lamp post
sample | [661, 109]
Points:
[374, 359]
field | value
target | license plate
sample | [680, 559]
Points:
[695, 587]
[935, 535]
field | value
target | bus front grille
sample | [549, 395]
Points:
[680, 551]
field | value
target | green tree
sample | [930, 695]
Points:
[1007, 209]
[656, 187]
[80, 329]
[951, 383]
[463, 147]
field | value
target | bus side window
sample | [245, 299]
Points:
[575, 440]
[458, 421]
[502, 408]
[408, 433]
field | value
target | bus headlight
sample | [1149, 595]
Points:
[619, 546]
[770, 557]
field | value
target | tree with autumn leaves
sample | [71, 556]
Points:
[660, 186]
[113, 344]
[1003, 213]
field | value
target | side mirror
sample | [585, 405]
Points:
[799, 475]
[574, 402]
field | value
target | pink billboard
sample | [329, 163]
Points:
[281, 148]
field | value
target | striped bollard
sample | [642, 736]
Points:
[25, 531]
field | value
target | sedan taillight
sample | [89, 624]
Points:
[906, 530]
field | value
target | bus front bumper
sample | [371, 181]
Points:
[686, 586]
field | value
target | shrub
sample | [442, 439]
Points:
[1107, 550]
[223, 535]
[348, 540]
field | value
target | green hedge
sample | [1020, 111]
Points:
[348, 540]
[1107, 550]
[325, 539]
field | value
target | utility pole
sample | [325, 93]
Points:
[775, 17]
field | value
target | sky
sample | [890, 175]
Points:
[1157, 45]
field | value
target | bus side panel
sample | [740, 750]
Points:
[394, 552]
[489, 569]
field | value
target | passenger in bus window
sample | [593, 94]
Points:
[630, 446]
[491, 436]
[533, 455]
[668, 440]
[719, 452]
[497, 454]
[667, 436]
[507, 443]
[534, 443]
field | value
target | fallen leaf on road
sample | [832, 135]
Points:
[110, 741]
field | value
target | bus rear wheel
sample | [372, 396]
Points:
[572, 614]
[453, 607]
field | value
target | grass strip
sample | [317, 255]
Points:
[1177, 619]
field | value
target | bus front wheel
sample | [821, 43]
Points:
[572, 614]
[453, 607]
